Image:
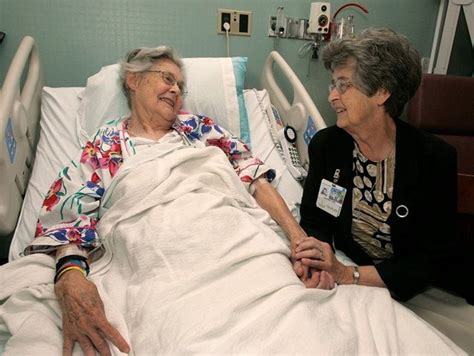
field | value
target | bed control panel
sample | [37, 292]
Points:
[287, 138]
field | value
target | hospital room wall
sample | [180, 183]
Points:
[76, 38]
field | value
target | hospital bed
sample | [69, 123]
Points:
[62, 125]
[42, 128]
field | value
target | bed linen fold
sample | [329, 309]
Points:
[193, 265]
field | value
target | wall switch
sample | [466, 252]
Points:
[240, 22]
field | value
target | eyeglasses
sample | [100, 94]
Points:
[341, 85]
[170, 80]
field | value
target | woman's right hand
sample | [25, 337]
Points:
[319, 255]
[84, 319]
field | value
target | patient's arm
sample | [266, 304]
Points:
[68, 216]
[270, 200]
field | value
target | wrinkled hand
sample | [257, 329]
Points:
[301, 270]
[311, 277]
[319, 255]
[84, 319]
[319, 280]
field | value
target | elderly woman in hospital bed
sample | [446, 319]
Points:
[67, 227]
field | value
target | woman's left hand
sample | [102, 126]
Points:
[319, 255]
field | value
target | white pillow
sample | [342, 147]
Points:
[215, 89]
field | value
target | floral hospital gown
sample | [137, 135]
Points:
[70, 211]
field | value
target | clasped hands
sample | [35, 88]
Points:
[315, 264]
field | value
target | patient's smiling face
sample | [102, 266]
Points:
[152, 94]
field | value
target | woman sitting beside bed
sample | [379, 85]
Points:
[154, 84]
[397, 185]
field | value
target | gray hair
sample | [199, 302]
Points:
[382, 59]
[142, 59]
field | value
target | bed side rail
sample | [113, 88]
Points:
[297, 113]
[19, 116]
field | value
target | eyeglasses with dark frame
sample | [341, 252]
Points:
[170, 80]
[341, 85]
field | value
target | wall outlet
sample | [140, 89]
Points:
[240, 22]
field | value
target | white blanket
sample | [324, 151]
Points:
[193, 265]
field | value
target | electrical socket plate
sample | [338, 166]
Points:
[240, 21]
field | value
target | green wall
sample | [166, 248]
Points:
[77, 37]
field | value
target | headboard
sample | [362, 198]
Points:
[18, 103]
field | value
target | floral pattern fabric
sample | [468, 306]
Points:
[70, 210]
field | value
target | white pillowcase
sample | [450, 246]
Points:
[215, 89]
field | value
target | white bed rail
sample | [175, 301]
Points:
[297, 113]
[20, 99]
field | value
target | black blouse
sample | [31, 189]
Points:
[424, 201]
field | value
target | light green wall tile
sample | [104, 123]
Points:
[77, 37]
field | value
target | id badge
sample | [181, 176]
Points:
[330, 197]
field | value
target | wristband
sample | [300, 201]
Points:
[76, 259]
[71, 262]
[64, 270]
[356, 275]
